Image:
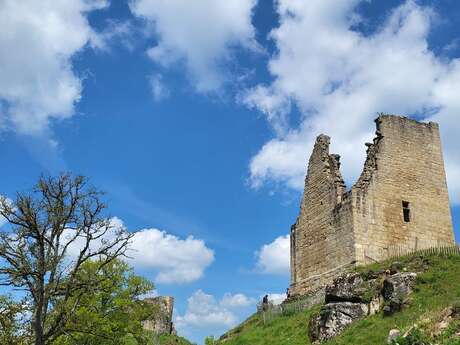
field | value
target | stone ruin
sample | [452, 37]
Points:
[162, 322]
[399, 204]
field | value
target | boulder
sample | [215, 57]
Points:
[396, 290]
[393, 335]
[346, 288]
[334, 318]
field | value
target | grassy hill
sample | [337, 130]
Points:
[173, 340]
[168, 339]
[437, 288]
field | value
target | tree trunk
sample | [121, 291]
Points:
[39, 340]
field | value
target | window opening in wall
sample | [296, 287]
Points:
[406, 211]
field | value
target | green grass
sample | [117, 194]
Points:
[437, 287]
[167, 339]
[283, 330]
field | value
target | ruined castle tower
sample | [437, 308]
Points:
[399, 204]
[162, 321]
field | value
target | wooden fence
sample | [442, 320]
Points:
[396, 252]
[270, 311]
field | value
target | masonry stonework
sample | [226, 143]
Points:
[400, 203]
[162, 322]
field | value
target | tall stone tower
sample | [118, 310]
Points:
[400, 203]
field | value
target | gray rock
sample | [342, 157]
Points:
[346, 288]
[387, 310]
[334, 318]
[393, 335]
[375, 305]
[396, 290]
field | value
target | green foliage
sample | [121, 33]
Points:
[13, 325]
[371, 290]
[113, 314]
[169, 339]
[209, 340]
[41, 225]
[438, 286]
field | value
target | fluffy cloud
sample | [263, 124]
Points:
[277, 298]
[236, 301]
[340, 78]
[176, 260]
[274, 258]
[37, 42]
[171, 259]
[201, 33]
[204, 311]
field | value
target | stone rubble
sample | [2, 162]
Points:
[352, 297]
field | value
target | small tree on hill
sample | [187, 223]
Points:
[14, 328]
[209, 340]
[112, 314]
[51, 232]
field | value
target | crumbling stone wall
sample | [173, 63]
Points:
[162, 322]
[336, 228]
[404, 164]
[321, 241]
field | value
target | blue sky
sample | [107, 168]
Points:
[197, 119]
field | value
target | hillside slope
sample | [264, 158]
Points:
[437, 288]
[168, 339]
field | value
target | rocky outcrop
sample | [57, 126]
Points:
[396, 290]
[334, 318]
[347, 288]
[353, 296]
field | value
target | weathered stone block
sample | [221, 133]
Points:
[396, 290]
[346, 288]
[334, 318]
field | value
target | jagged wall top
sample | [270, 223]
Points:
[404, 168]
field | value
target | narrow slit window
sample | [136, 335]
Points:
[406, 211]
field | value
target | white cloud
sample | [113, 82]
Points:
[277, 298]
[78, 243]
[236, 301]
[158, 88]
[204, 311]
[274, 258]
[37, 41]
[340, 78]
[176, 260]
[173, 260]
[114, 31]
[201, 33]
[8, 201]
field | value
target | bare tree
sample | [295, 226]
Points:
[51, 232]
